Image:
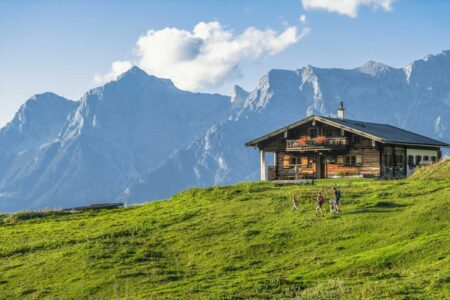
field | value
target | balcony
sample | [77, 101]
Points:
[318, 143]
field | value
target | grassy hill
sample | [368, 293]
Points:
[392, 240]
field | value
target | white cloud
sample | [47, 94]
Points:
[346, 7]
[117, 68]
[302, 19]
[209, 54]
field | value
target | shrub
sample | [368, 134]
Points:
[27, 215]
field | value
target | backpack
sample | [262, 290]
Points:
[321, 200]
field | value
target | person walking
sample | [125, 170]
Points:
[294, 203]
[336, 198]
[319, 202]
[331, 206]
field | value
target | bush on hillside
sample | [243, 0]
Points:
[439, 171]
[26, 215]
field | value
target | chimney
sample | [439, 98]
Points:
[340, 111]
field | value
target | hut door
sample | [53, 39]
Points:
[320, 167]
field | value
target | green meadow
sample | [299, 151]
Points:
[391, 241]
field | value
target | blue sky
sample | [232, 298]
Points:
[60, 46]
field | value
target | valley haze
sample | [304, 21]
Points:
[140, 138]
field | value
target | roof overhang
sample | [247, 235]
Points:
[419, 145]
[255, 142]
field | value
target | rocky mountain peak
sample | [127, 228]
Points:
[136, 75]
[238, 97]
[426, 72]
[374, 68]
[38, 120]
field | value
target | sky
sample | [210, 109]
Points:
[69, 47]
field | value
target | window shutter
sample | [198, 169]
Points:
[359, 160]
[304, 162]
[286, 161]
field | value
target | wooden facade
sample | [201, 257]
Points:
[317, 147]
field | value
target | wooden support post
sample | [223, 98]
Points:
[275, 159]
[263, 164]
[405, 164]
[275, 164]
[394, 161]
[319, 166]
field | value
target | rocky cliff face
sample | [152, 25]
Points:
[117, 132]
[36, 124]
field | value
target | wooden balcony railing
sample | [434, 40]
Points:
[329, 142]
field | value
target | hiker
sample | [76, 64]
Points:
[319, 203]
[294, 203]
[336, 198]
[331, 206]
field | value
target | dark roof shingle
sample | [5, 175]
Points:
[388, 133]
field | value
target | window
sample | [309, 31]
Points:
[359, 160]
[336, 132]
[328, 132]
[426, 158]
[418, 159]
[352, 160]
[305, 162]
[356, 139]
[347, 160]
[295, 160]
[400, 159]
[410, 160]
[388, 159]
[310, 162]
[340, 160]
[312, 132]
[433, 159]
[286, 161]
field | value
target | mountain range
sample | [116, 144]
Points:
[140, 138]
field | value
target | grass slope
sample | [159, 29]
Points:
[392, 240]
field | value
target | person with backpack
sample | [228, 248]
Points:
[319, 202]
[336, 198]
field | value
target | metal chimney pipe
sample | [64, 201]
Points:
[340, 111]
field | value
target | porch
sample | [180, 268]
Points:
[291, 174]
[310, 156]
[298, 166]
[318, 143]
